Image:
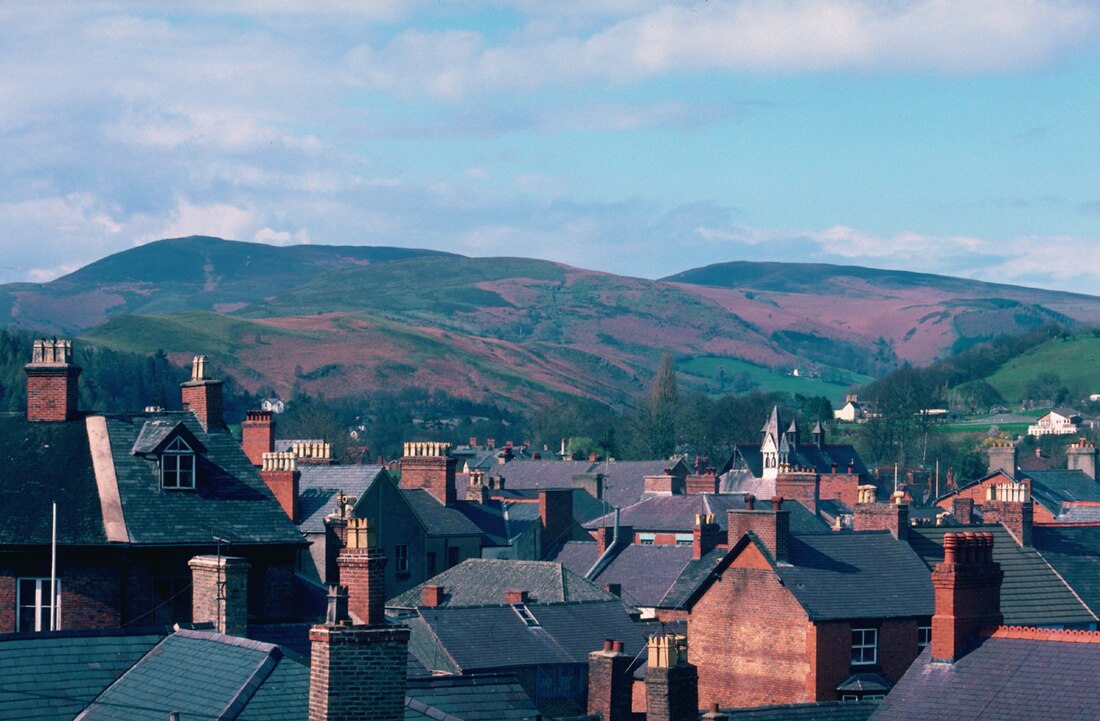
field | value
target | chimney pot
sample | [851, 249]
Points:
[617, 646]
[750, 502]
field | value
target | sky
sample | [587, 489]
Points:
[637, 137]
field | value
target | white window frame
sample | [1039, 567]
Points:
[41, 609]
[401, 558]
[864, 646]
[924, 637]
[174, 473]
[685, 539]
[647, 539]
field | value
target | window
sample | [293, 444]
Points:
[924, 637]
[431, 565]
[684, 539]
[864, 646]
[647, 539]
[177, 465]
[401, 558]
[452, 556]
[34, 603]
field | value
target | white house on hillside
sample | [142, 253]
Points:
[1060, 421]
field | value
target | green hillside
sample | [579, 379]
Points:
[1075, 360]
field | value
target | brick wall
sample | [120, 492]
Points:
[362, 570]
[357, 673]
[772, 527]
[1018, 518]
[748, 637]
[257, 435]
[204, 399]
[610, 684]
[52, 392]
[435, 474]
[228, 609]
[556, 515]
[672, 693]
[890, 517]
[284, 485]
[802, 487]
[90, 597]
[841, 487]
[7, 600]
[830, 646]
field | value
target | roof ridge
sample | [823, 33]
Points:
[1034, 633]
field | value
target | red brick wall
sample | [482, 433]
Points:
[977, 492]
[357, 673]
[204, 399]
[90, 597]
[801, 487]
[52, 393]
[258, 435]
[748, 637]
[701, 483]
[556, 514]
[362, 570]
[841, 487]
[7, 601]
[882, 517]
[672, 693]
[609, 685]
[435, 474]
[1018, 518]
[284, 484]
[770, 526]
[830, 647]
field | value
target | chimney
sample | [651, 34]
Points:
[1081, 456]
[615, 589]
[431, 596]
[801, 486]
[280, 472]
[362, 565]
[356, 672]
[556, 517]
[963, 510]
[671, 683]
[513, 596]
[771, 526]
[1003, 457]
[203, 396]
[968, 593]
[705, 535]
[705, 482]
[313, 453]
[715, 714]
[258, 435]
[892, 517]
[664, 484]
[52, 390]
[430, 466]
[1010, 505]
[477, 491]
[610, 683]
[219, 593]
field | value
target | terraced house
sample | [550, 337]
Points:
[138, 495]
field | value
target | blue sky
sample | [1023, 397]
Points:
[636, 137]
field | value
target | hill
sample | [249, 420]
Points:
[347, 320]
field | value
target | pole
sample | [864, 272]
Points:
[937, 478]
[895, 478]
[53, 570]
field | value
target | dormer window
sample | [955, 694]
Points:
[177, 466]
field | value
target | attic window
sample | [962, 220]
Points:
[177, 466]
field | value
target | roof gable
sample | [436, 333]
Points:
[157, 433]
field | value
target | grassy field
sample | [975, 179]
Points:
[727, 375]
[1076, 361]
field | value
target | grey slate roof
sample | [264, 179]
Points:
[489, 519]
[524, 475]
[229, 500]
[489, 697]
[1000, 679]
[495, 638]
[691, 579]
[321, 484]
[645, 572]
[483, 581]
[1074, 552]
[438, 520]
[1051, 489]
[808, 455]
[1032, 594]
[822, 711]
[624, 481]
[202, 675]
[52, 678]
[857, 575]
[577, 556]
[676, 513]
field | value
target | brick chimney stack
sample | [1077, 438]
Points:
[706, 535]
[610, 683]
[280, 472]
[867, 515]
[202, 395]
[431, 596]
[362, 566]
[771, 526]
[1010, 505]
[258, 435]
[430, 466]
[671, 683]
[705, 481]
[556, 517]
[219, 593]
[512, 596]
[1081, 456]
[968, 593]
[478, 490]
[52, 390]
[1003, 456]
[356, 672]
[802, 486]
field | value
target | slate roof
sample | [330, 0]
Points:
[483, 581]
[1001, 678]
[1031, 593]
[53, 677]
[494, 638]
[806, 455]
[490, 519]
[676, 513]
[857, 575]
[577, 556]
[1074, 552]
[521, 475]
[204, 675]
[488, 697]
[691, 579]
[321, 484]
[43, 462]
[1051, 489]
[229, 500]
[34, 459]
[438, 519]
[585, 507]
[645, 572]
[624, 481]
[822, 711]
